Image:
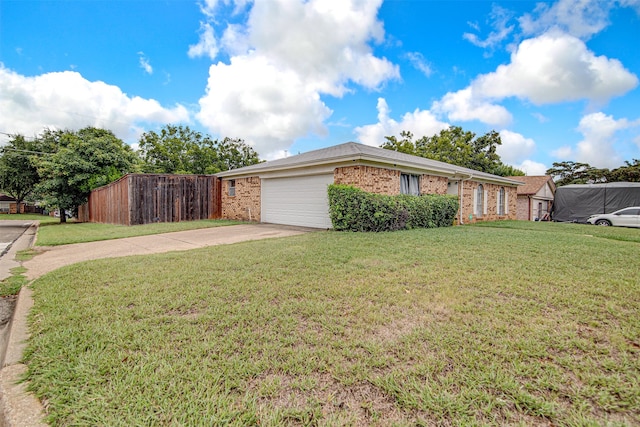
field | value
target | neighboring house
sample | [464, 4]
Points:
[535, 197]
[293, 190]
[6, 202]
[8, 205]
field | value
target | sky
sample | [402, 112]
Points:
[558, 80]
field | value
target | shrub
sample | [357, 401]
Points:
[352, 209]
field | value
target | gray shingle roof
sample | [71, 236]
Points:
[355, 151]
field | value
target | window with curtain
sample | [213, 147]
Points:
[479, 200]
[410, 184]
[501, 202]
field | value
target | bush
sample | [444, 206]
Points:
[352, 209]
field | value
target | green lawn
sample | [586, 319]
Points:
[53, 234]
[537, 324]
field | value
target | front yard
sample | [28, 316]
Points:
[521, 324]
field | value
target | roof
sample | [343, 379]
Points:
[533, 184]
[352, 151]
[5, 198]
[605, 185]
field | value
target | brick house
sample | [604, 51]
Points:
[535, 197]
[9, 205]
[293, 190]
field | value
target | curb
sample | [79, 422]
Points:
[18, 407]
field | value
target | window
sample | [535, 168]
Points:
[501, 201]
[410, 184]
[232, 187]
[630, 211]
[479, 199]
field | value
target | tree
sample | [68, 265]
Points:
[565, 173]
[79, 162]
[178, 149]
[630, 172]
[457, 147]
[18, 172]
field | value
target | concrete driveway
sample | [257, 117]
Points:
[54, 257]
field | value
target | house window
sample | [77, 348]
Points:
[501, 201]
[410, 184]
[479, 205]
[232, 187]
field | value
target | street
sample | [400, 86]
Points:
[9, 231]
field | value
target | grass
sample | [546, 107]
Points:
[535, 324]
[54, 234]
[11, 285]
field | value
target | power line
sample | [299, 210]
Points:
[25, 151]
[17, 134]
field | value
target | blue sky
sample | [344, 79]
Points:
[558, 80]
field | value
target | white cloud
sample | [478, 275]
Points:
[67, 100]
[564, 153]
[556, 67]
[144, 63]
[269, 93]
[420, 123]
[335, 52]
[532, 168]
[207, 45]
[635, 4]
[540, 117]
[420, 64]
[597, 146]
[269, 109]
[515, 147]
[499, 20]
[465, 105]
[580, 18]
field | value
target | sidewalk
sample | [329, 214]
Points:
[20, 408]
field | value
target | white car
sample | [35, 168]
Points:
[627, 217]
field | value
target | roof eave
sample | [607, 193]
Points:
[453, 171]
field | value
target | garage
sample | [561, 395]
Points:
[300, 200]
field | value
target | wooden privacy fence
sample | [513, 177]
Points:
[147, 198]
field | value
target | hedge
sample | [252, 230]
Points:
[352, 209]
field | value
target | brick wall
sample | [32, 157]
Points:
[430, 184]
[385, 181]
[523, 208]
[370, 179]
[245, 205]
[491, 192]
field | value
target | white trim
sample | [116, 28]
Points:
[506, 202]
[485, 202]
[475, 202]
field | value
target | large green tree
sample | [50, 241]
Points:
[79, 162]
[569, 172]
[457, 147]
[630, 172]
[178, 149]
[18, 172]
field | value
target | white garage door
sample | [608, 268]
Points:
[299, 201]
